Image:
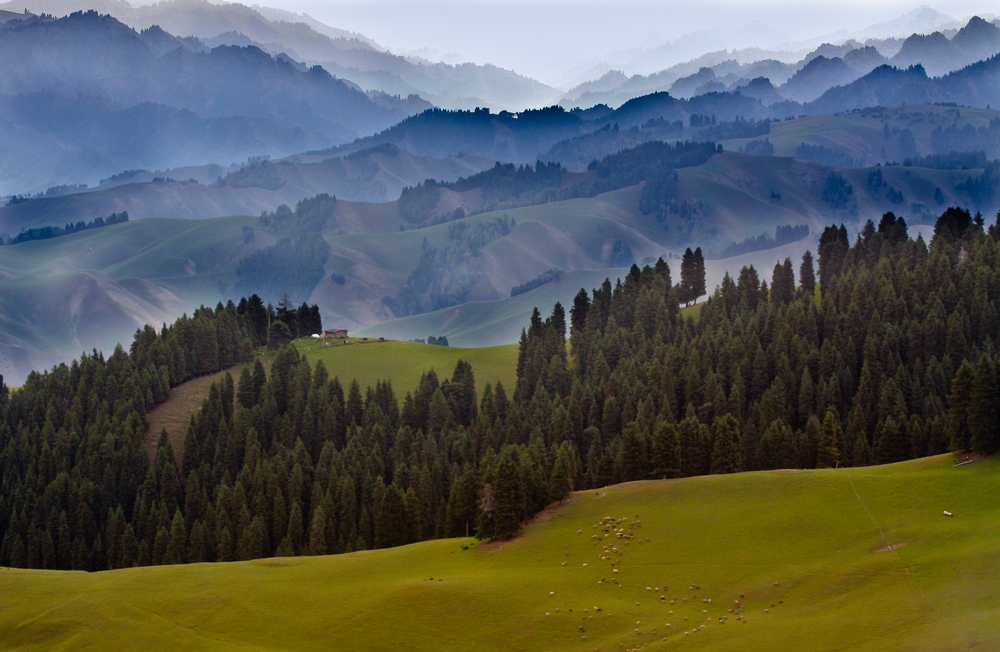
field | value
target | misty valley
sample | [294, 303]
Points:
[315, 339]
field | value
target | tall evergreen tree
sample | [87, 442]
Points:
[508, 496]
[392, 523]
[727, 454]
[828, 453]
[807, 274]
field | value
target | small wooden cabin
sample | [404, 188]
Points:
[335, 333]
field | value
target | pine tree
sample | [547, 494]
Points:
[558, 320]
[317, 532]
[699, 284]
[508, 496]
[561, 481]
[578, 313]
[827, 453]
[696, 446]
[295, 525]
[960, 404]
[807, 275]
[278, 335]
[833, 248]
[685, 291]
[984, 409]
[246, 394]
[355, 407]
[666, 451]
[391, 525]
[726, 448]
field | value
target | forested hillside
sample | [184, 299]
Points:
[893, 359]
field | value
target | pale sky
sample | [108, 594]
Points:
[550, 38]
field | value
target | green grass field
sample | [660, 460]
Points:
[404, 362]
[859, 559]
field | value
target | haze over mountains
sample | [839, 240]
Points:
[342, 53]
[267, 136]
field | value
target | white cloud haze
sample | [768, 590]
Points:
[550, 39]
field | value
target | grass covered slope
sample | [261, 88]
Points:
[833, 559]
[404, 362]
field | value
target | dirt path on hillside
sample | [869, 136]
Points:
[175, 413]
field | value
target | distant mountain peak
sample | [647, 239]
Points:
[922, 20]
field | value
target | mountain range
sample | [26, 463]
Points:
[801, 78]
[429, 218]
[345, 54]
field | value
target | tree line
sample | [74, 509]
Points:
[47, 232]
[72, 450]
[894, 358]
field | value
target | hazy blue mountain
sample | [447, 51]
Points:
[976, 85]
[884, 86]
[935, 52]
[761, 88]
[922, 20]
[825, 66]
[690, 85]
[98, 55]
[864, 59]
[816, 77]
[518, 137]
[978, 40]
[97, 97]
[48, 139]
[343, 53]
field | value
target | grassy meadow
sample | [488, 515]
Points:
[404, 362]
[859, 559]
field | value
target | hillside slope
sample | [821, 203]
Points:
[859, 559]
[373, 175]
[455, 278]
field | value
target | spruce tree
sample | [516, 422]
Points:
[391, 524]
[508, 496]
[317, 533]
[578, 313]
[560, 480]
[827, 452]
[278, 335]
[699, 283]
[983, 414]
[685, 291]
[726, 448]
[807, 274]
[960, 406]
[666, 451]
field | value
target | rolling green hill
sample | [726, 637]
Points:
[860, 134]
[404, 362]
[859, 559]
[153, 269]
[374, 175]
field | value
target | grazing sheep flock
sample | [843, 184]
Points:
[610, 541]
